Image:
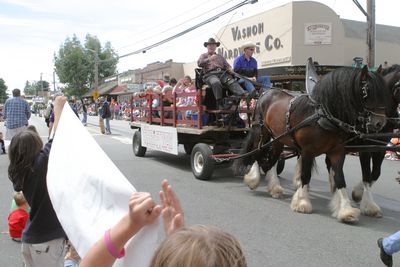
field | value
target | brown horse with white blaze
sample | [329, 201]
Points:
[344, 100]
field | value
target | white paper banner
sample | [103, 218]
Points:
[90, 194]
[161, 138]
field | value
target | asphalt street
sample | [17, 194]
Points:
[270, 233]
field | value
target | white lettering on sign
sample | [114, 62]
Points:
[317, 33]
[161, 138]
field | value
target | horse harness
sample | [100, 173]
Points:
[321, 116]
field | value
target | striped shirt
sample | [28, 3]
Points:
[16, 112]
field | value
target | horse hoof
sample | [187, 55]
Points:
[377, 214]
[349, 215]
[372, 211]
[252, 178]
[276, 192]
[252, 183]
[302, 206]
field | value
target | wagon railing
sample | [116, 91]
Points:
[142, 110]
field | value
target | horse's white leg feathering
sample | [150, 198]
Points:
[274, 186]
[368, 205]
[252, 178]
[341, 208]
[301, 200]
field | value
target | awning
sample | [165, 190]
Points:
[120, 89]
[104, 89]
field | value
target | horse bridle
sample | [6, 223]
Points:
[365, 117]
[396, 87]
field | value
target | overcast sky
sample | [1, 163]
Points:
[32, 30]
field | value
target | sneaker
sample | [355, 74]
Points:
[386, 259]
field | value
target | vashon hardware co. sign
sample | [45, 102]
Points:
[249, 33]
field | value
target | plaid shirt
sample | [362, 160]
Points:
[209, 64]
[16, 112]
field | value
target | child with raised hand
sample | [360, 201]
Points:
[43, 237]
[197, 246]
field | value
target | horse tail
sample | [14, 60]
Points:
[251, 142]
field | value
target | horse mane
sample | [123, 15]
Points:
[391, 76]
[340, 92]
[393, 68]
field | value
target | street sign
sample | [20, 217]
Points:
[95, 94]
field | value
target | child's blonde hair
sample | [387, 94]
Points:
[19, 199]
[199, 246]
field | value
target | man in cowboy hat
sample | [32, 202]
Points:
[246, 65]
[217, 72]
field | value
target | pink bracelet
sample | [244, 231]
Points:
[110, 247]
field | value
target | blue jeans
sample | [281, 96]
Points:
[391, 244]
[70, 263]
[264, 80]
[84, 118]
[108, 129]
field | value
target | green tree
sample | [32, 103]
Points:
[3, 91]
[74, 63]
[28, 89]
[35, 87]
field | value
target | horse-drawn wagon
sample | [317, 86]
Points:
[207, 135]
[348, 112]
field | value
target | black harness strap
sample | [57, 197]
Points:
[306, 122]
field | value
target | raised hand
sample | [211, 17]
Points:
[142, 209]
[171, 209]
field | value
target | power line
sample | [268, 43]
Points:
[169, 20]
[174, 27]
[145, 49]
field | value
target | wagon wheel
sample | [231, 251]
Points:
[138, 149]
[201, 161]
[280, 166]
[188, 148]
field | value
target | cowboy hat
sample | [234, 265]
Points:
[211, 41]
[247, 44]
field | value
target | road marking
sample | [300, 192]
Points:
[124, 140]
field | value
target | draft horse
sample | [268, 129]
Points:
[362, 191]
[344, 101]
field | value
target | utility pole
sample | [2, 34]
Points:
[41, 83]
[371, 33]
[54, 81]
[370, 15]
[96, 70]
